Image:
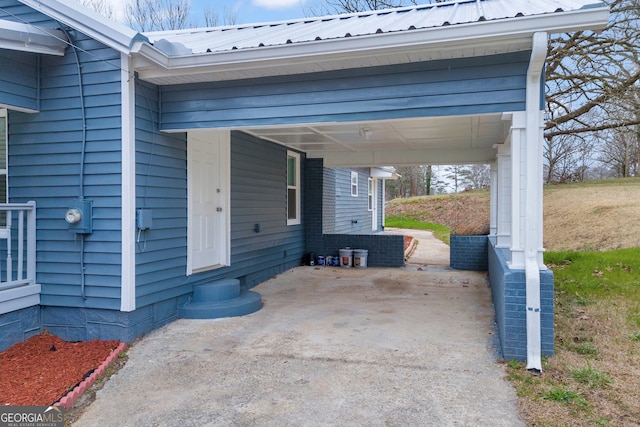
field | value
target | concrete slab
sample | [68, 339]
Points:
[429, 252]
[331, 347]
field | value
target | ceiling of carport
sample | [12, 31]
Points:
[431, 140]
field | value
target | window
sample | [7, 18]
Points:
[354, 184]
[293, 188]
[3, 157]
[370, 200]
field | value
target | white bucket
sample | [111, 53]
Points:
[346, 257]
[360, 258]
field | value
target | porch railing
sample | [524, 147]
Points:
[17, 244]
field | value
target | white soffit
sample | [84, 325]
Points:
[30, 38]
[395, 36]
[433, 140]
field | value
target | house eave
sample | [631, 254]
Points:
[30, 38]
[88, 22]
[474, 39]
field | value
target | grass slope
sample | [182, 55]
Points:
[592, 380]
[592, 215]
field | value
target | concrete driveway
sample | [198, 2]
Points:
[331, 347]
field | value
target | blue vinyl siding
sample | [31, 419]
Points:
[329, 200]
[19, 79]
[349, 214]
[437, 88]
[161, 186]
[45, 154]
[258, 196]
[14, 11]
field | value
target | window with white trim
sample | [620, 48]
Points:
[293, 188]
[3, 160]
[354, 184]
[370, 200]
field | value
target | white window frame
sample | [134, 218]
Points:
[370, 194]
[296, 187]
[4, 172]
[354, 184]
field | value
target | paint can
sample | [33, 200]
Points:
[320, 260]
[360, 258]
[346, 257]
[328, 261]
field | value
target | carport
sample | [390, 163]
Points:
[333, 346]
[457, 82]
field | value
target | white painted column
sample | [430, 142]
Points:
[503, 212]
[518, 180]
[493, 199]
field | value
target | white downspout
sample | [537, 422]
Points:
[533, 197]
[128, 271]
[384, 196]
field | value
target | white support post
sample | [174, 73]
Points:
[493, 200]
[518, 182]
[31, 242]
[503, 226]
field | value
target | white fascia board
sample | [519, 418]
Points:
[85, 20]
[31, 38]
[14, 108]
[482, 34]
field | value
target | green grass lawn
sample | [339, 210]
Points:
[440, 232]
[585, 278]
[592, 378]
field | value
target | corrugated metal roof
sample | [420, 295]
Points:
[220, 39]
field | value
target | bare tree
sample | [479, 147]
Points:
[212, 17]
[158, 15]
[478, 177]
[590, 77]
[103, 7]
[416, 180]
[620, 153]
[327, 7]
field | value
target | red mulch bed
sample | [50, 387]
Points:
[407, 242]
[42, 369]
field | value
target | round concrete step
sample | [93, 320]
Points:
[248, 302]
[220, 290]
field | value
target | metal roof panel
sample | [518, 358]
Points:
[219, 39]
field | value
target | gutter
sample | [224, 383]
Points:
[533, 190]
[152, 62]
[89, 22]
[31, 38]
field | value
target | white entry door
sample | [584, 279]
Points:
[373, 202]
[208, 175]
